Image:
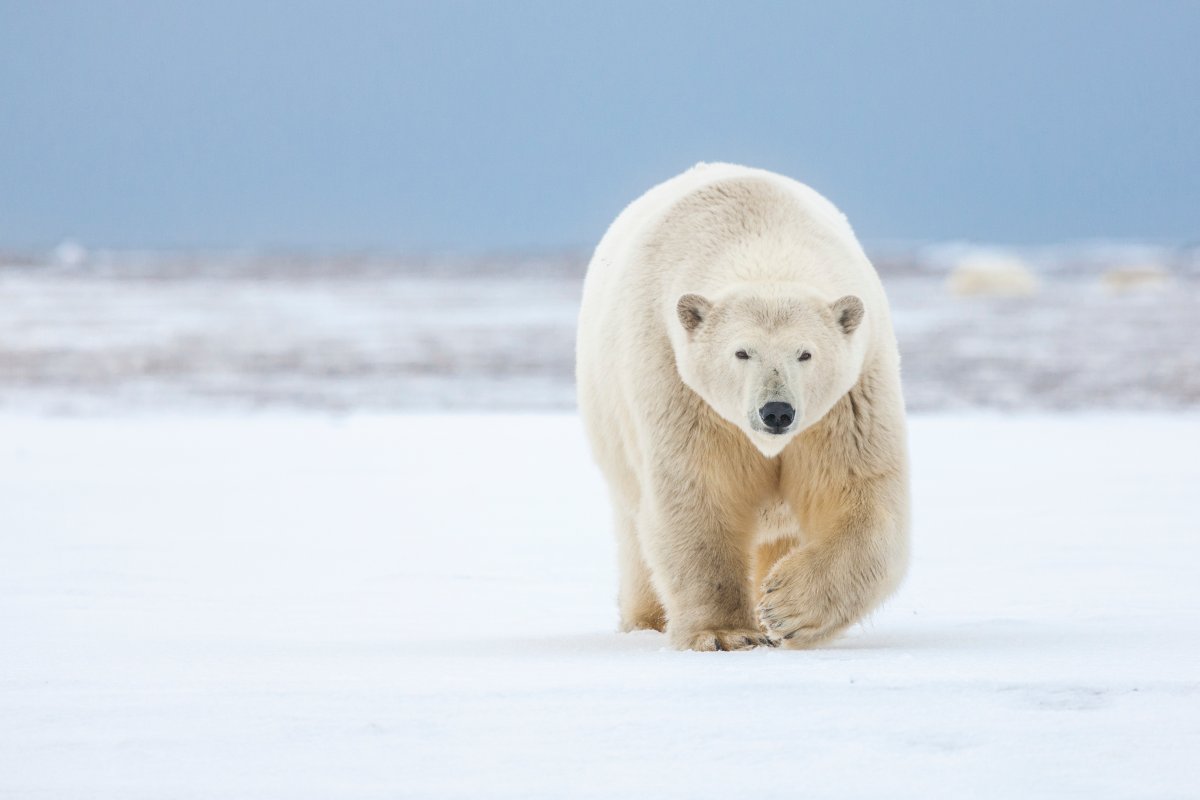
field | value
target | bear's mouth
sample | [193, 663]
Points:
[772, 431]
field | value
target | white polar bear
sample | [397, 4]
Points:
[740, 383]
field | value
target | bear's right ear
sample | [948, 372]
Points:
[848, 311]
[692, 309]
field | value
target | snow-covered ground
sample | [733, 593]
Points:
[422, 607]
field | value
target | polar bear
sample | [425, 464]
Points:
[739, 381]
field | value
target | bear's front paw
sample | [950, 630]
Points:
[801, 608]
[723, 639]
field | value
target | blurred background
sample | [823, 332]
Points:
[384, 205]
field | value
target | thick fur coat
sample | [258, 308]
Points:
[739, 381]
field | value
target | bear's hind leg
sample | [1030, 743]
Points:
[638, 601]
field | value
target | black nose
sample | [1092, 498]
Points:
[777, 416]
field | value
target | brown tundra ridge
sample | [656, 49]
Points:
[1106, 327]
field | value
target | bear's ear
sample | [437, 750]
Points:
[848, 313]
[692, 309]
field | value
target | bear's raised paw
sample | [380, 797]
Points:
[797, 618]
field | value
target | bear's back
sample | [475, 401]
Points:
[718, 224]
[662, 204]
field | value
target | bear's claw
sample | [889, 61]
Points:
[718, 640]
[795, 629]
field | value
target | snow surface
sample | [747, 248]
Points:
[422, 606]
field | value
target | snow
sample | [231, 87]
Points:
[301, 606]
[219, 332]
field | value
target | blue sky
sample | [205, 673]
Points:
[480, 126]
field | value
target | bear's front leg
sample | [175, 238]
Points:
[699, 562]
[855, 554]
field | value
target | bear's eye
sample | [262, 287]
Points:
[742, 354]
[805, 356]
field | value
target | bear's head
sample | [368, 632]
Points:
[770, 361]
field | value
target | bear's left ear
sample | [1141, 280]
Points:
[692, 309]
[848, 312]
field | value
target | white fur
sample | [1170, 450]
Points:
[714, 513]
